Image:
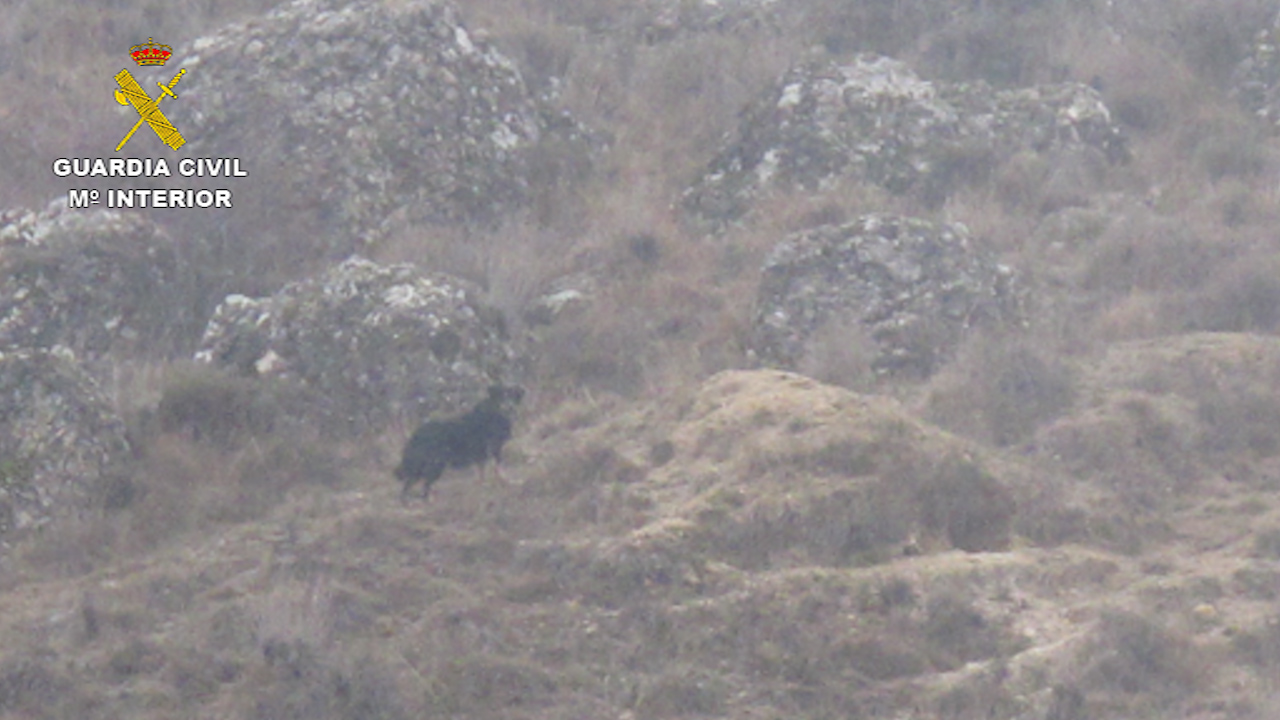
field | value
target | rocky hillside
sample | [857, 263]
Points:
[767, 545]
[880, 360]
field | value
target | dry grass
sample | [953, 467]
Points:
[212, 451]
[1138, 665]
[1000, 390]
[243, 569]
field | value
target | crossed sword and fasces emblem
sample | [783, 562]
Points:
[149, 110]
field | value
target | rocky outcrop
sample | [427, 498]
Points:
[352, 116]
[910, 286]
[60, 442]
[874, 119]
[1256, 81]
[366, 343]
[101, 284]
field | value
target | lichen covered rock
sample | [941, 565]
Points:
[367, 343]
[99, 283]
[60, 440]
[351, 116]
[913, 286]
[876, 120]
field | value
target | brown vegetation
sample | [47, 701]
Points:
[675, 540]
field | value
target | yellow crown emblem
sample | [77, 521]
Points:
[151, 53]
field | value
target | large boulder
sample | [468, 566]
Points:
[875, 120]
[911, 288]
[103, 284]
[61, 443]
[366, 343]
[353, 117]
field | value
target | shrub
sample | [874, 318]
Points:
[883, 26]
[1140, 251]
[1067, 703]
[1214, 37]
[971, 507]
[1144, 112]
[209, 405]
[678, 693]
[896, 592]
[30, 685]
[991, 45]
[956, 165]
[980, 697]
[308, 688]
[1227, 149]
[607, 360]
[1241, 297]
[181, 484]
[136, 658]
[1239, 417]
[478, 685]
[1132, 655]
[1001, 391]
[855, 525]
[956, 633]
[883, 658]
[1260, 647]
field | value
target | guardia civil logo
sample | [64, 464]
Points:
[131, 93]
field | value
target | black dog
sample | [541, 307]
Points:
[473, 438]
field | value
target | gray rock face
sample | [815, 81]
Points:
[911, 286]
[99, 283]
[874, 119]
[59, 440]
[1256, 81]
[349, 114]
[367, 343]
